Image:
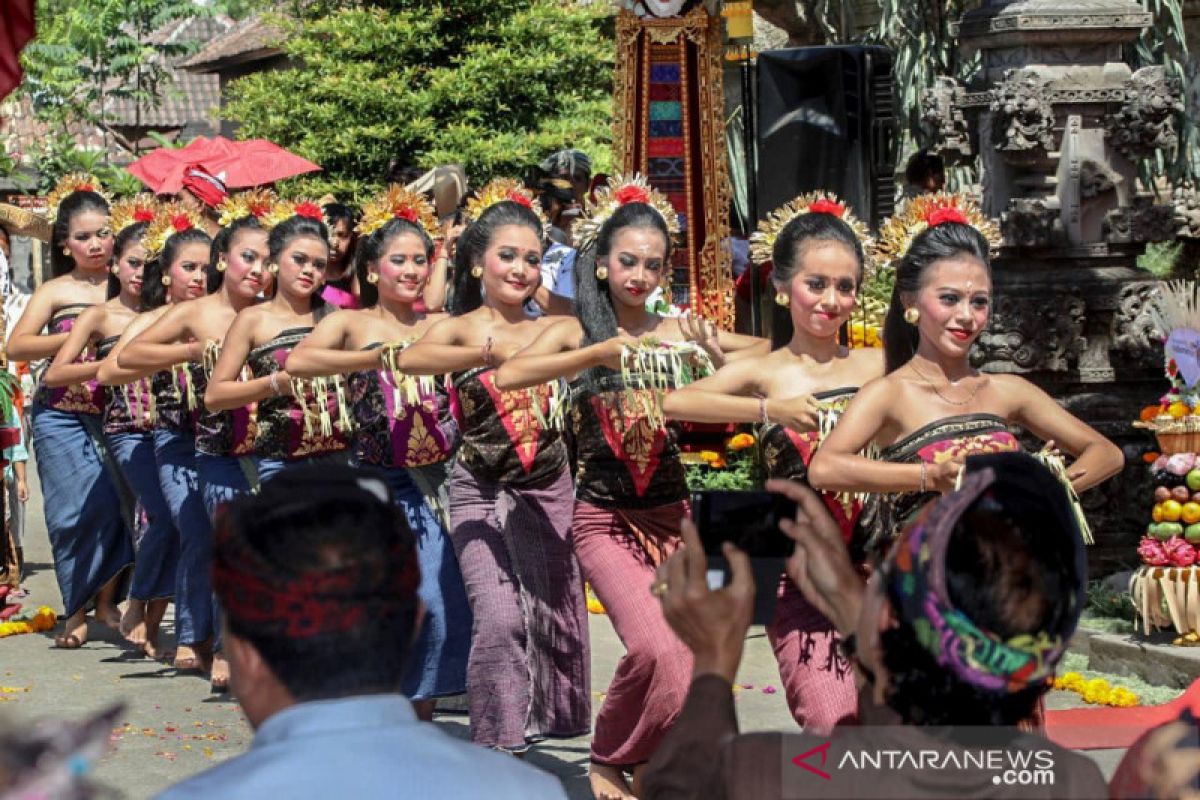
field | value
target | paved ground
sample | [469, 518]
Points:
[172, 727]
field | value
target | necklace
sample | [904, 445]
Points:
[938, 391]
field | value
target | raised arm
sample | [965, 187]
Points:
[163, 344]
[434, 295]
[225, 391]
[733, 394]
[324, 351]
[63, 371]
[111, 373]
[1096, 458]
[27, 343]
[838, 467]
[443, 349]
[722, 347]
[556, 354]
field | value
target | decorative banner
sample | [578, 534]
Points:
[1184, 346]
[670, 112]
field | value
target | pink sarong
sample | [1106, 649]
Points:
[652, 678]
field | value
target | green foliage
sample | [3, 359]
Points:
[1103, 601]
[741, 471]
[1164, 43]
[1161, 258]
[494, 86]
[59, 156]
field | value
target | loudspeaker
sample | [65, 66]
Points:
[826, 120]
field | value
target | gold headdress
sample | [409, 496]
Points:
[762, 241]
[398, 202]
[171, 219]
[622, 189]
[131, 211]
[253, 203]
[68, 184]
[502, 189]
[925, 211]
[284, 210]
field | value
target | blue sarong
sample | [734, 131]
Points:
[156, 549]
[84, 518]
[270, 467]
[175, 453]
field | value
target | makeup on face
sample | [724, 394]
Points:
[636, 261]
[188, 276]
[512, 264]
[403, 268]
[955, 302]
[245, 261]
[824, 290]
[90, 239]
[302, 264]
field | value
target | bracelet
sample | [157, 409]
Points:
[924, 475]
[274, 383]
[762, 410]
[486, 352]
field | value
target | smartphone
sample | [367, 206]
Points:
[748, 519]
[751, 521]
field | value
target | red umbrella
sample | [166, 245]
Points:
[16, 29]
[238, 165]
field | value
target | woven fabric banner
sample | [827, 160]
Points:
[670, 112]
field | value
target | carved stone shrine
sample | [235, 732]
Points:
[1058, 122]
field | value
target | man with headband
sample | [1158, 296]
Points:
[954, 640]
[203, 192]
[317, 577]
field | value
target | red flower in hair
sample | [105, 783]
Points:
[407, 213]
[520, 199]
[946, 214]
[181, 222]
[258, 209]
[143, 215]
[85, 187]
[824, 206]
[631, 194]
[310, 210]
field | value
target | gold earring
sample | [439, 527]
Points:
[601, 273]
[781, 299]
[66, 251]
[115, 270]
[476, 271]
[221, 265]
[372, 278]
[912, 315]
[166, 279]
[273, 269]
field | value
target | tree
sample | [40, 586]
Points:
[494, 85]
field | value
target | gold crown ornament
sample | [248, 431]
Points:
[69, 184]
[622, 189]
[925, 211]
[284, 210]
[498, 191]
[171, 219]
[762, 241]
[255, 203]
[132, 211]
[398, 202]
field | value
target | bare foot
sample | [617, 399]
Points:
[219, 677]
[74, 633]
[133, 622]
[109, 615]
[187, 659]
[608, 783]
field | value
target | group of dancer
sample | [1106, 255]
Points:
[528, 452]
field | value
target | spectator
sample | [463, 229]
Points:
[925, 172]
[963, 624]
[318, 576]
[572, 166]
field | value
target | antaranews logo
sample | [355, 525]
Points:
[821, 750]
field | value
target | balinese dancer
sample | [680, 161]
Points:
[192, 333]
[932, 410]
[510, 489]
[816, 248]
[128, 422]
[630, 487]
[297, 421]
[177, 252]
[403, 425]
[85, 516]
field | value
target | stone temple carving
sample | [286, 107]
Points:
[1146, 121]
[943, 118]
[1023, 115]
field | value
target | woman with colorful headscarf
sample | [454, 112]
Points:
[403, 425]
[297, 421]
[128, 422]
[177, 251]
[630, 487]
[510, 489]
[796, 392]
[191, 333]
[932, 409]
[85, 516]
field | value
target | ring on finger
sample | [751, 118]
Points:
[659, 588]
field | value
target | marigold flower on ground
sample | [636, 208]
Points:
[741, 441]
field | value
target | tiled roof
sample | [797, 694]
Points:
[250, 38]
[188, 96]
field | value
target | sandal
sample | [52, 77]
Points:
[68, 641]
